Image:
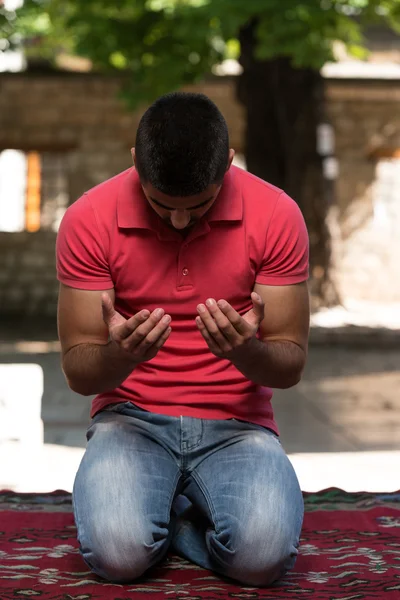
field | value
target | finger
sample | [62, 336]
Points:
[141, 324]
[213, 328]
[155, 333]
[143, 330]
[111, 317]
[211, 343]
[107, 308]
[233, 334]
[216, 341]
[237, 322]
[259, 305]
[162, 339]
[126, 329]
[224, 323]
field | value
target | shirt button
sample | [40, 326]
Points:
[185, 272]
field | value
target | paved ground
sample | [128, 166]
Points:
[340, 425]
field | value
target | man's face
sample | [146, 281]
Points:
[181, 213]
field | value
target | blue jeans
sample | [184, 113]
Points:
[221, 493]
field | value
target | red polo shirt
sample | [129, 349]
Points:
[112, 238]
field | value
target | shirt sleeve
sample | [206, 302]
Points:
[80, 257]
[286, 255]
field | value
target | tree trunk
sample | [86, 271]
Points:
[284, 107]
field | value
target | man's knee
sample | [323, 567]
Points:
[118, 568]
[263, 571]
[257, 560]
[122, 558]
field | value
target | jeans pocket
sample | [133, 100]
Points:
[123, 408]
[116, 407]
[259, 427]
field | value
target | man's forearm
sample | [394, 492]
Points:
[276, 364]
[95, 368]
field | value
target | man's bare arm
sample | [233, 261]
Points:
[278, 359]
[100, 348]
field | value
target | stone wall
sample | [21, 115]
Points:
[366, 120]
[81, 116]
[28, 284]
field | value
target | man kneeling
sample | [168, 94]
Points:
[183, 301]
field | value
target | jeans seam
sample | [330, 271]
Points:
[208, 499]
[175, 487]
[197, 444]
[78, 521]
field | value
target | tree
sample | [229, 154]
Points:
[281, 45]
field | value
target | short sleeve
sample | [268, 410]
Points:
[80, 256]
[286, 255]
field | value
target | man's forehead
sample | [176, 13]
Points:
[182, 206]
[188, 202]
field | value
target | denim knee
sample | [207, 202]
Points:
[122, 557]
[253, 561]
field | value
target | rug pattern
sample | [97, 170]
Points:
[350, 550]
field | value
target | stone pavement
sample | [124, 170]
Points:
[340, 425]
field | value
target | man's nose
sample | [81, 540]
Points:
[180, 218]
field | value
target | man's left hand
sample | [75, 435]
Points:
[225, 331]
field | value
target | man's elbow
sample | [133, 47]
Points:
[83, 388]
[296, 371]
[290, 380]
[289, 383]
[80, 388]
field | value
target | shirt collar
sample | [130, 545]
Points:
[134, 211]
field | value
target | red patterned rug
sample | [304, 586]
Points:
[350, 550]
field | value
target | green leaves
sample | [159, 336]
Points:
[162, 44]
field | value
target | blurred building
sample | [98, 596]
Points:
[62, 132]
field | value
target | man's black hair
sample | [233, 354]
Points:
[182, 144]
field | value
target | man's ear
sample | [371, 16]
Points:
[133, 154]
[231, 157]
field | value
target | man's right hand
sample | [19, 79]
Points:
[141, 336]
